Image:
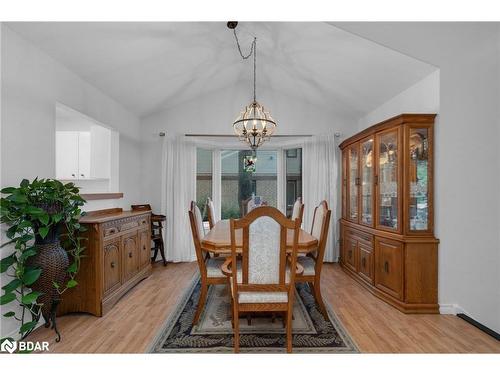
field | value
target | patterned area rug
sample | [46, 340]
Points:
[312, 333]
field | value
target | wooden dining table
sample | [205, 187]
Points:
[218, 239]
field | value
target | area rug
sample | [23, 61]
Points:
[312, 333]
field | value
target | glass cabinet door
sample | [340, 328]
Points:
[367, 181]
[388, 189]
[353, 183]
[418, 176]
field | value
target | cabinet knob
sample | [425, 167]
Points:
[350, 253]
[113, 264]
[130, 255]
[386, 267]
[82, 175]
[143, 247]
[72, 175]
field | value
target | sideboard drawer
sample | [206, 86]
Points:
[110, 230]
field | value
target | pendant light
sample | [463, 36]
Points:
[254, 125]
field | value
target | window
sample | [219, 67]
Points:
[203, 179]
[293, 168]
[239, 184]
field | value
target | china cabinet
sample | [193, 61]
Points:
[387, 226]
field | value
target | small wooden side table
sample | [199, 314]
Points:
[157, 236]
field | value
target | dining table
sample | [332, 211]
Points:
[218, 240]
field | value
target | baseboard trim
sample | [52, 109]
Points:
[454, 309]
[447, 309]
[480, 326]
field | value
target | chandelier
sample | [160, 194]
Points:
[254, 125]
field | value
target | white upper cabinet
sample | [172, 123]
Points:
[66, 155]
[73, 155]
[85, 151]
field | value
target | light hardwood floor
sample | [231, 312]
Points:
[375, 326]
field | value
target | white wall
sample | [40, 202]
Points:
[422, 97]
[467, 154]
[214, 114]
[32, 83]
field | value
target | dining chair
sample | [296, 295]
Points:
[298, 209]
[210, 268]
[263, 281]
[211, 213]
[313, 262]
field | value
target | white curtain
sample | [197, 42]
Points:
[320, 182]
[179, 189]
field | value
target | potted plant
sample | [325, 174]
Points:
[43, 227]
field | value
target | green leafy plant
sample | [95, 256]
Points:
[28, 211]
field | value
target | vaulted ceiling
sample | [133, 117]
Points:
[149, 67]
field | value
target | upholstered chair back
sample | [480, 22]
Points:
[211, 212]
[264, 251]
[298, 210]
[197, 232]
[319, 229]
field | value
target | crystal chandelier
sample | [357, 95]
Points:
[254, 125]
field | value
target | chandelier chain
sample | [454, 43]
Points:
[253, 51]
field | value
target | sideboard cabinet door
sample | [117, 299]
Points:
[350, 249]
[112, 265]
[389, 266]
[144, 248]
[130, 255]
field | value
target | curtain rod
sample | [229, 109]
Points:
[234, 136]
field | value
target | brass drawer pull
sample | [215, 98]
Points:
[386, 267]
[143, 247]
[130, 255]
[113, 264]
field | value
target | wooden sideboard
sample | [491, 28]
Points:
[117, 257]
[387, 224]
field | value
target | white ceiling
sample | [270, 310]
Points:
[152, 66]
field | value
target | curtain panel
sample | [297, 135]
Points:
[179, 189]
[321, 182]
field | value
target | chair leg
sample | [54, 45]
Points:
[319, 299]
[232, 305]
[201, 302]
[289, 331]
[153, 258]
[236, 329]
[162, 252]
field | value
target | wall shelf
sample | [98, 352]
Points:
[97, 196]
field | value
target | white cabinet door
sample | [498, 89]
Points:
[84, 155]
[66, 155]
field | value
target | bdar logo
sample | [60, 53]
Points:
[8, 346]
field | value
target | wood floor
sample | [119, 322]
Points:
[375, 326]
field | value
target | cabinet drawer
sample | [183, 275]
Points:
[365, 264]
[350, 250]
[130, 255]
[112, 265]
[110, 230]
[359, 235]
[389, 266]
